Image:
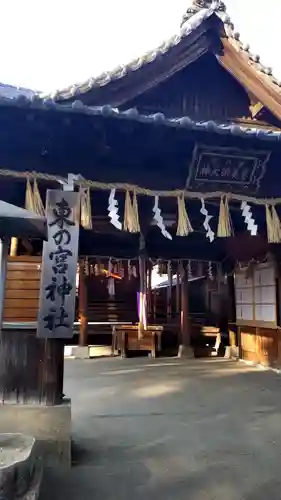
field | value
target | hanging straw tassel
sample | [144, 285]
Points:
[136, 213]
[29, 200]
[276, 225]
[269, 225]
[273, 225]
[85, 208]
[131, 215]
[184, 225]
[37, 200]
[224, 224]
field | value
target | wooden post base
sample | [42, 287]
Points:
[185, 352]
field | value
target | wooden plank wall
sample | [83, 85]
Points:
[260, 345]
[22, 289]
[190, 93]
[22, 378]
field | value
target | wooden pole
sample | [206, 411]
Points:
[154, 305]
[169, 291]
[83, 305]
[143, 287]
[149, 290]
[184, 348]
[178, 291]
[14, 247]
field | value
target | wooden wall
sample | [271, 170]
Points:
[260, 345]
[22, 289]
[203, 90]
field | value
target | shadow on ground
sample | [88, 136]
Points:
[171, 429]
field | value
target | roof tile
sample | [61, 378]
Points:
[183, 122]
[194, 16]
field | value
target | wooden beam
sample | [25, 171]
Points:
[239, 66]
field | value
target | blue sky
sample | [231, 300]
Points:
[48, 44]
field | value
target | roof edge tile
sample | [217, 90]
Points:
[158, 119]
[195, 15]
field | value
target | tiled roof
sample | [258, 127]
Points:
[219, 8]
[121, 71]
[12, 92]
[183, 122]
[193, 18]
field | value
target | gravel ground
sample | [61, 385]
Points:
[171, 429]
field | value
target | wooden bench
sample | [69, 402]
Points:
[126, 338]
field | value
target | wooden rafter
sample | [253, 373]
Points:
[239, 66]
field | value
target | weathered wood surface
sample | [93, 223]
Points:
[260, 345]
[190, 93]
[31, 369]
[20, 469]
[56, 313]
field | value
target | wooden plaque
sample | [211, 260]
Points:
[59, 266]
[215, 168]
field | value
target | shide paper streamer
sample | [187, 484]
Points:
[113, 210]
[206, 224]
[159, 219]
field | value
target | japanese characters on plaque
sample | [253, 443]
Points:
[60, 253]
[216, 168]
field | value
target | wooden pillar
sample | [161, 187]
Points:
[154, 305]
[143, 285]
[149, 290]
[14, 247]
[184, 348]
[83, 305]
[178, 291]
[169, 291]
[142, 276]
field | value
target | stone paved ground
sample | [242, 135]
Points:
[171, 429]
